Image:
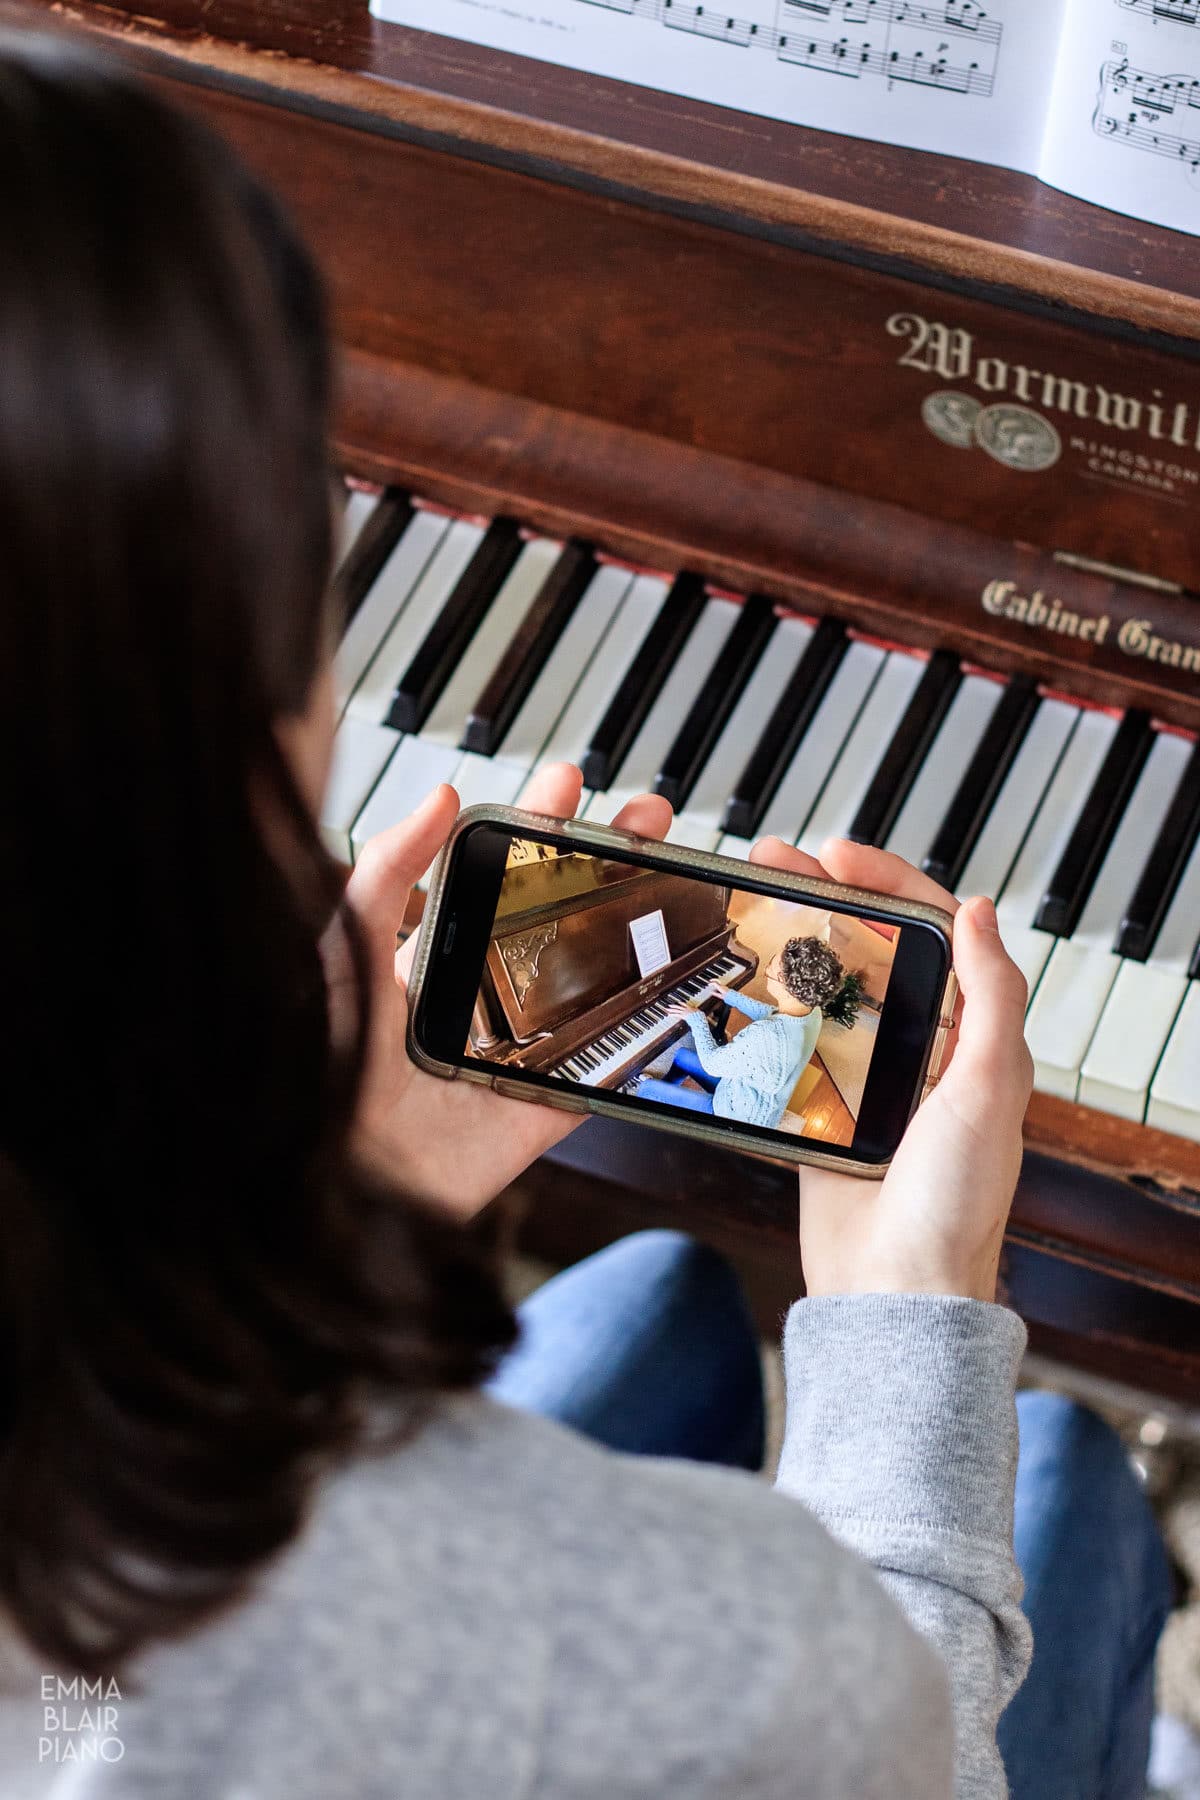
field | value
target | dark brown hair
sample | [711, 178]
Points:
[202, 1300]
[810, 971]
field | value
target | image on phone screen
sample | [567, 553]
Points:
[671, 991]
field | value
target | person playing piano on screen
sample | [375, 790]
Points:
[753, 1077]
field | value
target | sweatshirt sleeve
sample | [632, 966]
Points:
[715, 1059]
[902, 1437]
[752, 1009]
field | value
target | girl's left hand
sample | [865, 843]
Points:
[453, 1143]
[681, 1009]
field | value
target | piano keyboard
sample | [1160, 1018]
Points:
[640, 1038]
[474, 652]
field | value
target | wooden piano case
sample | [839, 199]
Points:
[714, 342]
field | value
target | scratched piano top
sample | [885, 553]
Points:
[888, 196]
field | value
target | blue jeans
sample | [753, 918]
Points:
[649, 1347]
[672, 1093]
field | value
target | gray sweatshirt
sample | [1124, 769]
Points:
[505, 1611]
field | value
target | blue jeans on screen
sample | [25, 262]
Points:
[649, 1347]
[672, 1093]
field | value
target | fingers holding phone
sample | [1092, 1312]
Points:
[936, 1223]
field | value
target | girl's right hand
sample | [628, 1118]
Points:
[935, 1224]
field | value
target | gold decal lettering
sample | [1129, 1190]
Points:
[951, 354]
[995, 595]
[1134, 636]
[1118, 410]
[1066, 396]
[1023, 377]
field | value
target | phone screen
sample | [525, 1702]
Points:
[678, 993]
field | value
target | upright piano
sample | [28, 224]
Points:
[820, 484]
[563, 993]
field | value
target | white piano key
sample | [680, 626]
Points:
[737, 847]
[1081, 970]
[940, 773]
[1030, 950]
[693, 834]
[700, 822]
[1132, 842]
[1129, 1041]
[358, 509]
[565, 666]
[382, 605]
[485, 781]
[1055, 819]
[1176, 940]
[360, 754]
[1175, 1094]
[1133, 1030]
[573, 732]
[372, 698]
[649, 748]
[638, 1043]
[1020, 796]
[818, 750]
[872, 733]
[414, 771]
[448, 720]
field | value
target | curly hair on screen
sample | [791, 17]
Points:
[810, 971]
[204, 1302]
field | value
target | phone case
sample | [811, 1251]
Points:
[599, 838]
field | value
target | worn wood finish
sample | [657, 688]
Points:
[779, 360]
[668, 507]
[966, 220]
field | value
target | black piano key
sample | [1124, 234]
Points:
[986, 774]
[1194, 965]
[1171, 854]
[508, 686]
[1066, 896]
[639, 688]
[782, 734]
[901, 761]
[719, 694]
[452, 630]
[370, 550]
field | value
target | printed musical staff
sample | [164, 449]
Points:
[911, 44]
[1133, 103]
[1180, 12]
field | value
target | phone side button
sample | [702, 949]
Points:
[520, 1090]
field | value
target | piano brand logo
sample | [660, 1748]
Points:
[1014, 434]
[1135, 637]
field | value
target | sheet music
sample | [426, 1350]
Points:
[946, 75]
[649, 934]
[1098, 97]
[1124, 119]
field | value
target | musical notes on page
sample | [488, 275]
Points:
[1181, 12]
[1125, 103]
[966, 77]
[1147, 111]
[951, 47]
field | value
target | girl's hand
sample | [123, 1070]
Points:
[935, 1224]
[681, 1009]
[453, 1143]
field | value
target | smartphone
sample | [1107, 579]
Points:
[581, 967]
